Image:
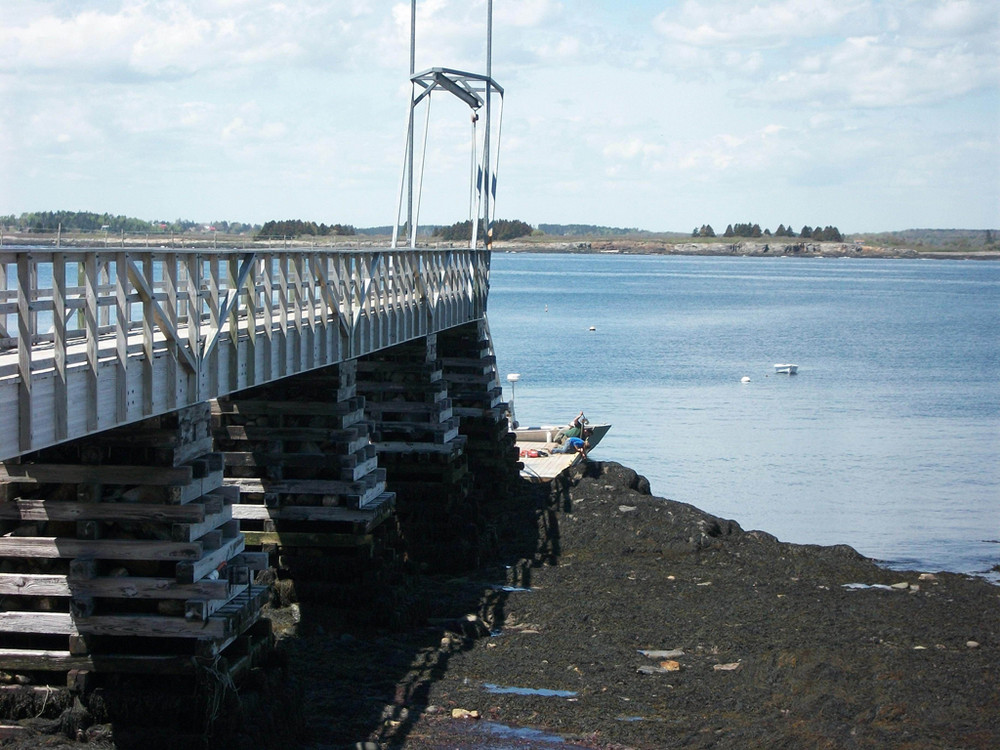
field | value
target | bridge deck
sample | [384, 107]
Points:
[94, 339]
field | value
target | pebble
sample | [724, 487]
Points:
[647, 669]
[902, 585]
[671, 654]
[462, 713]
[671, 665]
[731, 667]
[627, 508]
[972, 644]
[927, 577]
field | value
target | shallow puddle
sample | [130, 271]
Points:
[499, 690]
[518, 733]
[489, 735]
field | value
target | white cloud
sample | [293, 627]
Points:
[758, 24]
[525, 13]
[960, 17]
[872, 72]
[631, 148]
[857, 53]
[245, 108]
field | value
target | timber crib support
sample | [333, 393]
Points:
[122, 555]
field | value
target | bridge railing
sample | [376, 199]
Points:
[92, 339]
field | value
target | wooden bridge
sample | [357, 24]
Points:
[173, 421]
[91, 340]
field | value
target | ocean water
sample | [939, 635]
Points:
[887, 439]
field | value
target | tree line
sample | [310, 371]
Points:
[88, 221]
[822, 234]
[503, 229]
[299, 228]
[587, 230]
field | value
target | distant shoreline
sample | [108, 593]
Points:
[757, 248]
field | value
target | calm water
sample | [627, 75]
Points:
[888, 439]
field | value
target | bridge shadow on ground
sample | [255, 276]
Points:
[347, 678]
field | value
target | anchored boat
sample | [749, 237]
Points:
[786, 369]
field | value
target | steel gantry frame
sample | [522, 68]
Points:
[476, 90]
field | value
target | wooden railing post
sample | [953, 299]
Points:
[24, 345]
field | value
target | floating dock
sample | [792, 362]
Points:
[544, 468]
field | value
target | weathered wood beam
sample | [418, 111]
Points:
[110, 587]
[82, 473]
[102, 549]
[51, 510]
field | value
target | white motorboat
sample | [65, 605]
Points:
[786, 369]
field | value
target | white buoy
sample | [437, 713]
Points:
[745, 379]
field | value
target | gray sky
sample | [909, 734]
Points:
[864, 114]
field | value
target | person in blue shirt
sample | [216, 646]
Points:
[573, 445]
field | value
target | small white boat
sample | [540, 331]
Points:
[786, 369]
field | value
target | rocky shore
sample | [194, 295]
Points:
[605, 618]
[614, 619]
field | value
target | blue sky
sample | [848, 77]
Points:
[865, 114]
